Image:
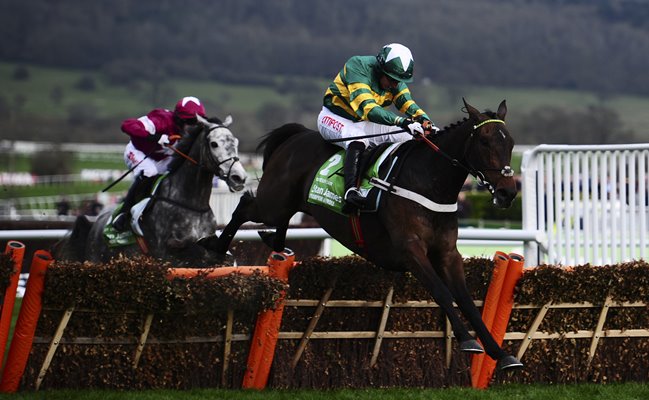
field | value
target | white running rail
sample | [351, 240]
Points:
[591, 201]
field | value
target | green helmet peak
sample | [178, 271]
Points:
[396, 62]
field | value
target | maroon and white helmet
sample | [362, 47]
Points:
[188, 107]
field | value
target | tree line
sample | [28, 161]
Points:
[595, 45]
[600, 46]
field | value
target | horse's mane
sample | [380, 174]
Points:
[277, 136]
[452, 127]
[185, 144]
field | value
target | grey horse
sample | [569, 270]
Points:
[178, 214]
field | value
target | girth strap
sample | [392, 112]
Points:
[410, 195]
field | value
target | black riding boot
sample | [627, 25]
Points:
[354, 200]
[141, 185]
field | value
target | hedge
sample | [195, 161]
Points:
[190, 308]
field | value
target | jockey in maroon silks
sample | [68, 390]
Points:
[147, 151]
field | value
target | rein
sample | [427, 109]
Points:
[180, 153]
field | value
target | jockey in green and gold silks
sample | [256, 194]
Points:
[354, 108]
[356, 94]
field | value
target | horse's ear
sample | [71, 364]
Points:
[202, 120]
[473, 112]
[502, 110]
[228, 121]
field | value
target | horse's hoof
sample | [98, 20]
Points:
[209, 242]
[509, 362]
[229, 259]
[471, 346]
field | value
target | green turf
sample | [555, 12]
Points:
[627, 391]
[89, 188]
[338, 250]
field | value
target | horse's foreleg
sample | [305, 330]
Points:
[425, 273]
[279, 242]
[241, 215]
[457, 285]
[223, 243]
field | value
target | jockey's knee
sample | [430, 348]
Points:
[149, 170]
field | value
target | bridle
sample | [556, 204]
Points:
[506, 171]
[200, 164]
[234, 159]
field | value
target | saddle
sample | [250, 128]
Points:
[328, 186]
[380, 175]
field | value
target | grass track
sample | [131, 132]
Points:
[626, 391]
[487, 251]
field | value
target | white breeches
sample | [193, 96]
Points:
[332, 126]
[148, 166]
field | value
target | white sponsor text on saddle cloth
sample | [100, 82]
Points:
[328, 185]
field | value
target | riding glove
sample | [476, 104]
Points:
[164, 140]
[429, 125]
[409, 125]
[416, 129]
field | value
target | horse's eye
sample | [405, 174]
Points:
[214, 145]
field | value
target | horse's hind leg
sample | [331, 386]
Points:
[73, 247]
[246, 211]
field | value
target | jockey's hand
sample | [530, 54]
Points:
[432, 129]
[416, 129]
[429, 126]
[164, 140]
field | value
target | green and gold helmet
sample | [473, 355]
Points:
[396, 62]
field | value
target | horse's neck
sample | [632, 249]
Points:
[189, 184]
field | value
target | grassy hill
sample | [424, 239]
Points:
[57, 94]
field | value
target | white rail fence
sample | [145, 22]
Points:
[591, 202]
[472, 236]
[581, 204]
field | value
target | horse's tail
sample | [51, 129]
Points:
[272, 140]
[73, 246]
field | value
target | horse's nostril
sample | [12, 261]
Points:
[504, 196]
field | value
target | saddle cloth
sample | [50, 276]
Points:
[328, 186]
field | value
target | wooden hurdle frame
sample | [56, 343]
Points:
[378, 336]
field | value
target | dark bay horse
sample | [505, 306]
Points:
[402, 234]
[179, 213]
